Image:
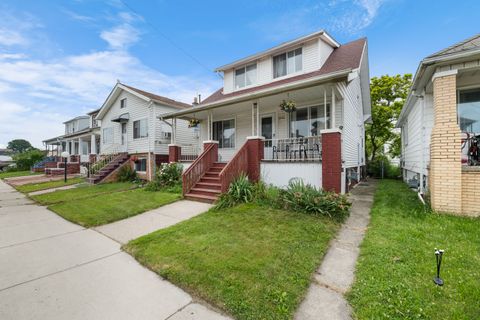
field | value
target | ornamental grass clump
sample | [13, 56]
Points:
[306, 198]
[241, 190]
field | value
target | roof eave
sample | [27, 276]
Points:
[256, 94]
[261, 54]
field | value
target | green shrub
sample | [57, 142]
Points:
[126, 174]
[390, 171]
[306, 198]
[168, 177]
[241, 190]
[26, 159]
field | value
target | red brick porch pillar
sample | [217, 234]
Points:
[215, 147]
[255, 156]
[332, 161]
[174, 152]
[92, 158]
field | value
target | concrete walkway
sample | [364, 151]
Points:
[35, 193]
[53, 269]
[148, 222]
[325, 297]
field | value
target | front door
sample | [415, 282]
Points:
[268, 129]
[124, 136]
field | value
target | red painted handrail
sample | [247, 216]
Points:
[198, 168]
[234, 168]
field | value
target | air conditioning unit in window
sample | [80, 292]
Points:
[165, 137]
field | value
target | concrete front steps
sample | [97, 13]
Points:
[208, 188]
[116, 162]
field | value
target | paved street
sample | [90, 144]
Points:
[53, 269]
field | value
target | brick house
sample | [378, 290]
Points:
[242, 127]
[440, 125]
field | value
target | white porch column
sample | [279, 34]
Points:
[258, 119]
[93, 144]
[80, 149]
[67, 145]
[174, 130]
[253, 118]
[210, 127]
[325, 108]
[333, 108]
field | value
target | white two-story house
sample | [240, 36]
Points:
[243, 128]
[129, 124]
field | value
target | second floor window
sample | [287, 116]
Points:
[245, 76]
[123, 103]
[288, 62]
[140, 129]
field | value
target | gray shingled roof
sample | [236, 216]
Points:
[465, 45]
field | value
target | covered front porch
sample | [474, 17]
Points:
[256, 136]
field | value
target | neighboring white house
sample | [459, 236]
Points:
[129, 124]
[321, 143]
[440, 125]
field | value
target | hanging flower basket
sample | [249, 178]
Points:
[288, 106]
[134, 158]
[193, 123]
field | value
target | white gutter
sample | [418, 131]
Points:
[261, 93]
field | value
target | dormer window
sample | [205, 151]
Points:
[245, 76]
[123, 103]
[287, 63]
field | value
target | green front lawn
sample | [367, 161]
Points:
[31, 187]
[110, 207]
[12, 174]
[81, 192]
[251, 261]
[394, 277]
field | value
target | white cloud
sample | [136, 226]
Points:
[339, 16]
[11, 38]
[37, 95]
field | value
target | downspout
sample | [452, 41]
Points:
[149, 144]
[422, 143]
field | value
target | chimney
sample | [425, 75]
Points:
[195, 102]
[199, 98]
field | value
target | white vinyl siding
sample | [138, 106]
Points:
[107, 136]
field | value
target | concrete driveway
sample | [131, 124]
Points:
[53, 269]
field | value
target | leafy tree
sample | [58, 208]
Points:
[27, 159]
[388, 95]
[19, 145]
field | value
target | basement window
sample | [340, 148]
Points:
[141, 165]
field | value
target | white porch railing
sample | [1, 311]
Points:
[189, 152]
[293, 149]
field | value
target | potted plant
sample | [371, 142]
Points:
[288, 106]
[193, 123]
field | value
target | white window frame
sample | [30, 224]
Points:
[220, 144]
[110, 134]
[309, 115]
[286, 70]
[133, 129]
[146, 164]
[254, 81]
[123, 103]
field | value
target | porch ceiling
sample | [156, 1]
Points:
[314, 94]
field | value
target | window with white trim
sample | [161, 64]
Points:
[140, 129]
[141, 165]
[123, 103]
[107, 135]
[306, 122]
[224, 133]
[245, 76]
[287, 63]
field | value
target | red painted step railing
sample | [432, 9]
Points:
[236, 166]
[198, 168]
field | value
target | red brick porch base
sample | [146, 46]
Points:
[332, 161]
[255, 156]
[174, 152]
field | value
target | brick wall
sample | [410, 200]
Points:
[255, 156]
[471, 193]
[332, 161]
[445, 148]
[174, 153]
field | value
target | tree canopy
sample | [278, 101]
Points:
[19, 145]
[388, 94]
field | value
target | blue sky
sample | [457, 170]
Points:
[59, 59]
